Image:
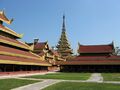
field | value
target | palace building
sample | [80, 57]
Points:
[49, 54]
[93, 58]
[16, 55]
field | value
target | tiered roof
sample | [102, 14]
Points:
[55, 52]
[43, 49]
[13, 51]
[16, 52]
[41, 45]
[21, 61]
[14, 42]
[95, 59]
[96, 48]
[92, 60]
[4, 29]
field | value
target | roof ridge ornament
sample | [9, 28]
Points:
[4, 18]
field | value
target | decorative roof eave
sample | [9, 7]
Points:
[8, 22]
[15, 44]
[4, 18]
[41, 46]
[29, 47]
[46, 44]
[11, 32]
[22, 63]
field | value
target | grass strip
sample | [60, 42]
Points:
[63, 76]
[83, 86]
[7, 84]
[111, 76]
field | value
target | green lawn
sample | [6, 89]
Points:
[64, 76]
[7, 84]
[83, 86]
[111, 76]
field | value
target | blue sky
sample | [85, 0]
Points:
[87, 21]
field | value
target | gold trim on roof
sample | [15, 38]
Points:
[37, 56]
[18, 55]
[22, 63]
[7, 30]
[15, 44]
[30, 47]
[5, 19]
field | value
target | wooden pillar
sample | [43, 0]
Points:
[25, 67]
[20, 69]
[4, 68]
[1, 67]
[13, 67]
[30, 67]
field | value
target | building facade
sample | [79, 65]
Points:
[93, 58]
[16, 55]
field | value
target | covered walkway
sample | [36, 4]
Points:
[90, 68]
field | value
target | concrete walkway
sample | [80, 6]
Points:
[38, 86]
[95, 77]
[23, 75]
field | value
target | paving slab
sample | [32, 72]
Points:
[95, 77]
[38, 86]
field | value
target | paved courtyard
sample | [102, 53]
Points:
[95, 77]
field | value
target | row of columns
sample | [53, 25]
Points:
[90, 68]
[12, 68]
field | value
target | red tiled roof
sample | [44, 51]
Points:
[40, 45]
[55, 52]
[41, 53]
[16, 51]
[97, 57]
[9, 31]
[91, 60]
[95, 48]
[14, 41]
[13, 54]
[20, 59]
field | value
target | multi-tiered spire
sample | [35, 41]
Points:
[63, 46]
